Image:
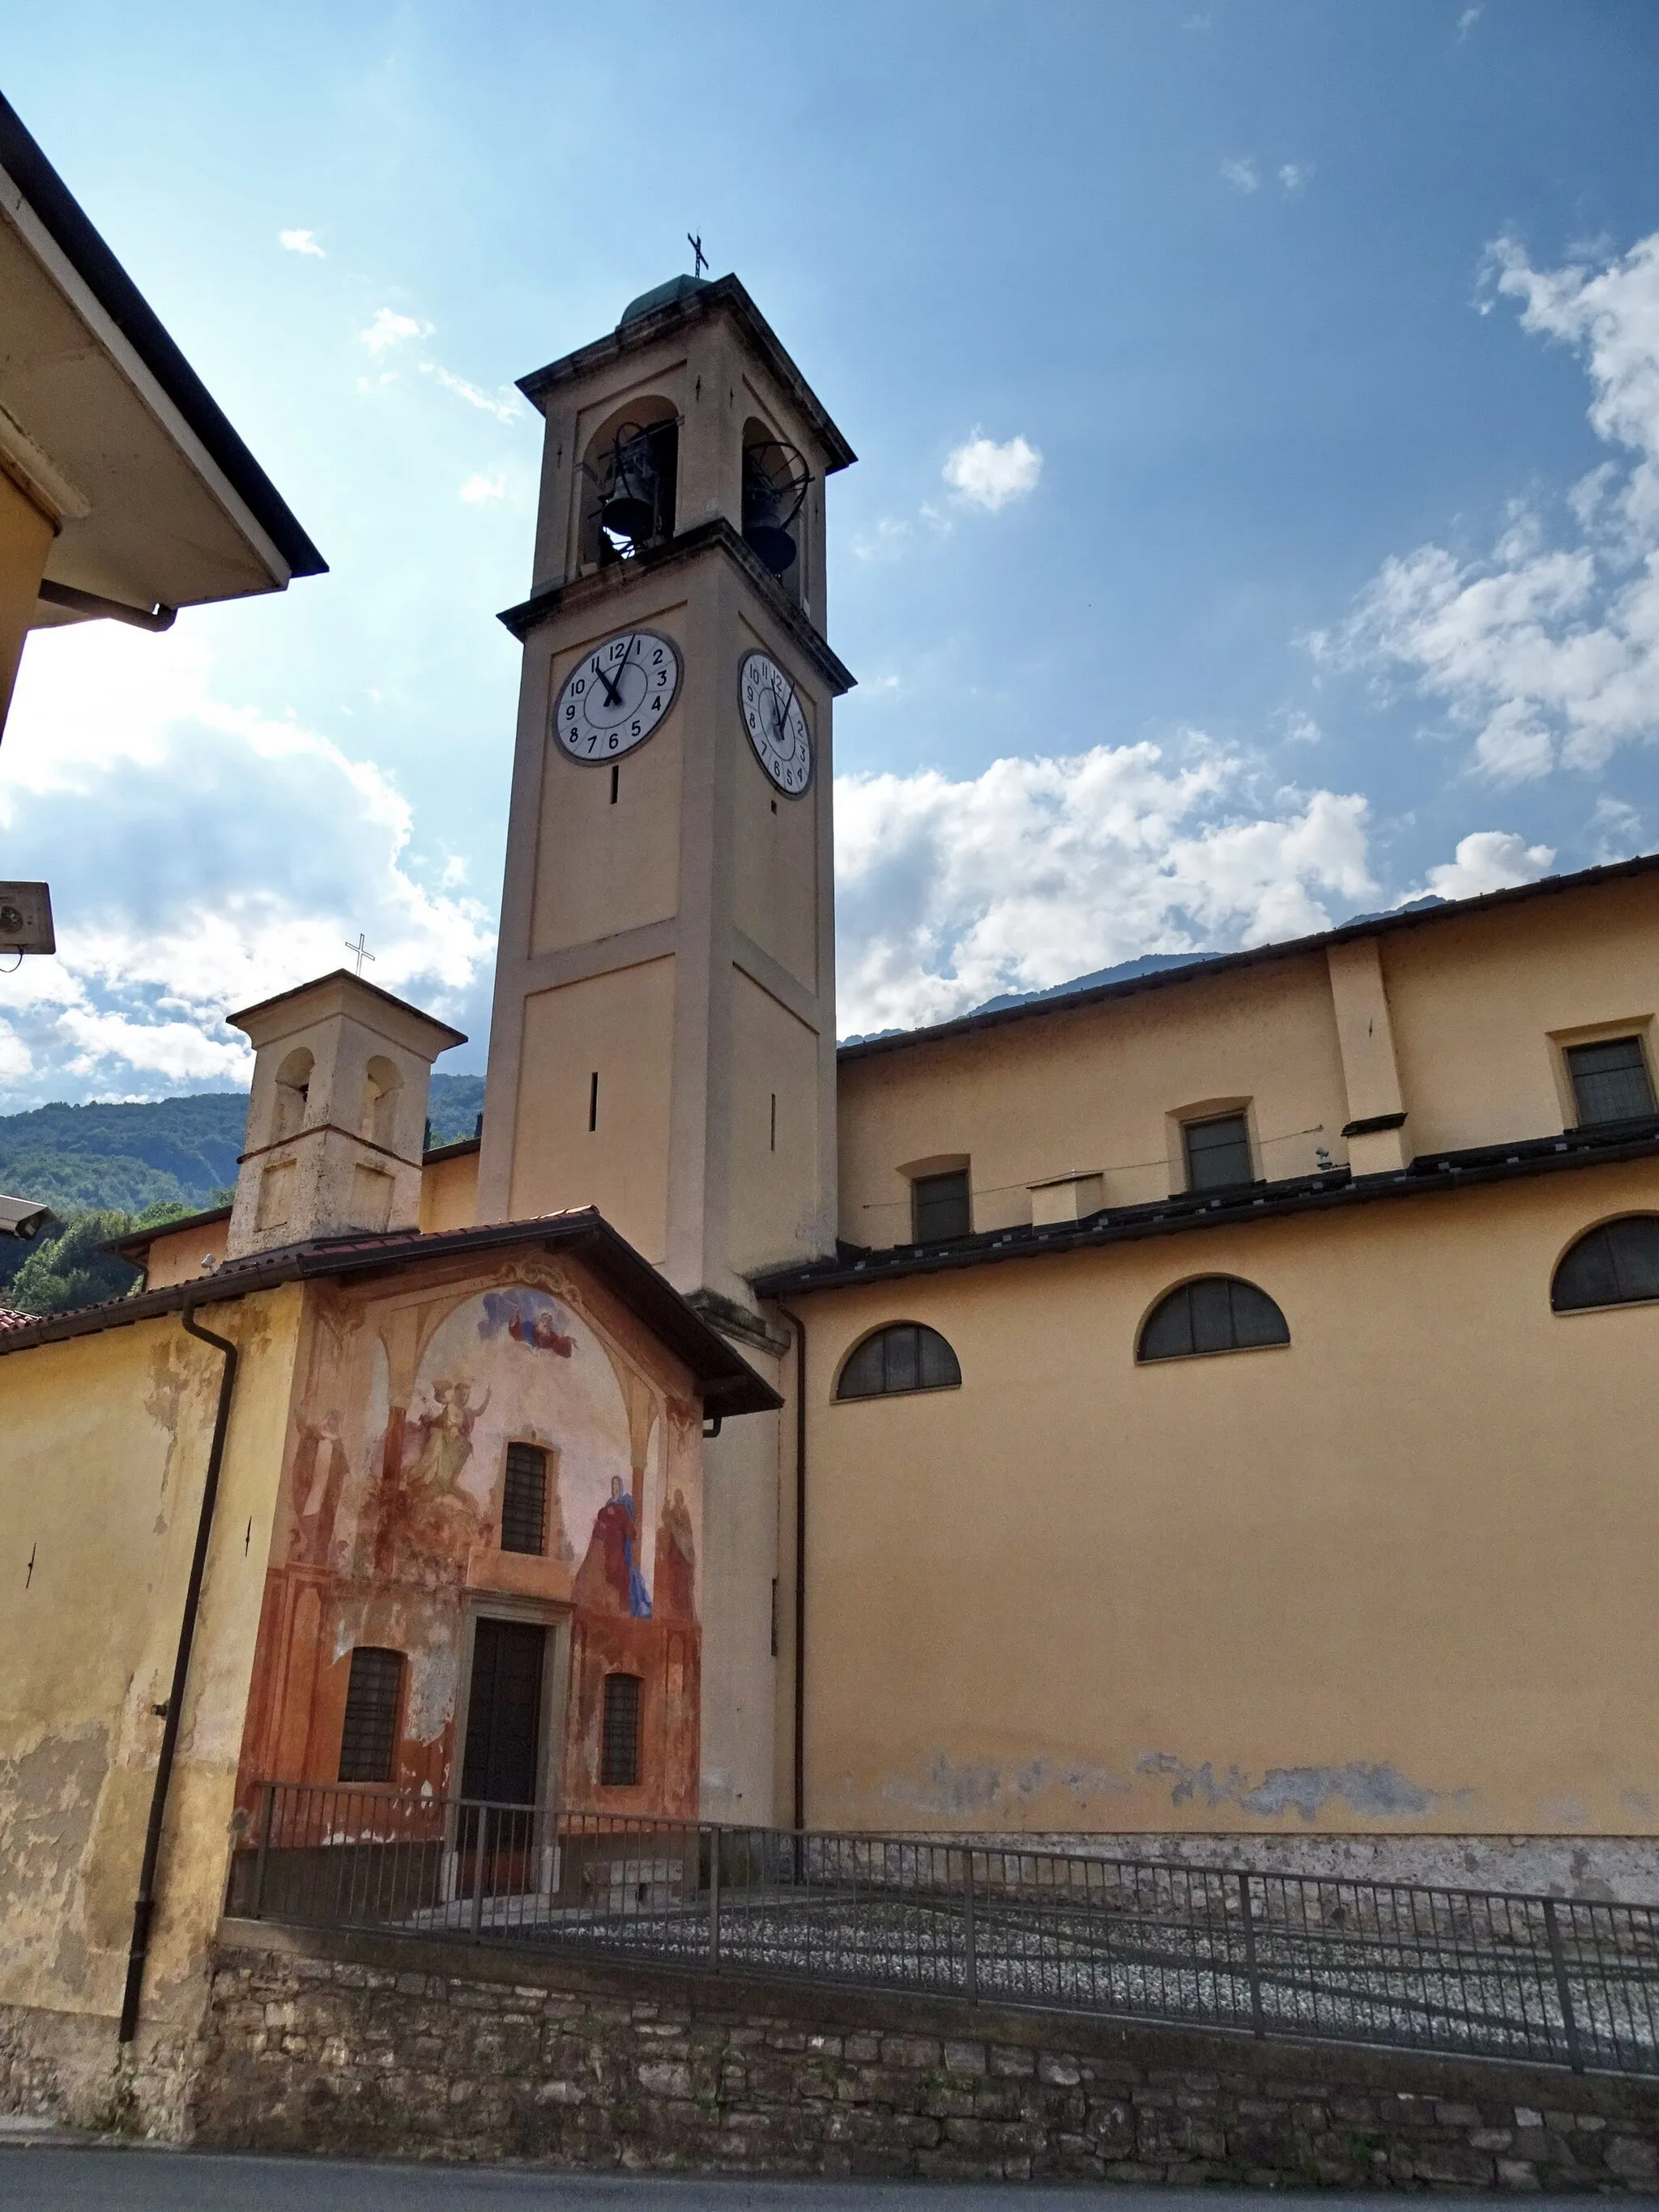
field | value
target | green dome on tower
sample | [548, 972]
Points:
[662, 295]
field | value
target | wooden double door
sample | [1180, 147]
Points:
[502, 1755]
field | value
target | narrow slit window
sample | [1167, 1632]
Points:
[369, 1736]
[775, 1120]
[524, 1499]
[619, 1748]
[1610, 1080]
[594, 1100]
[941, 1207]
[616, 779]
[1217, 1152]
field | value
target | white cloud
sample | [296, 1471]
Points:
[991, 475]
[1240, 174]
[1296, 176]
[1469, 18]
[1487, 860]
[1617, 828]
[301, 241]
[950, 891]
[201, 855]
[389, 329]
[1300, 729]
[505, 405]
[478, 490]
[1548, 649]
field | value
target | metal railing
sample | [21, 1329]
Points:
[1551, 1981]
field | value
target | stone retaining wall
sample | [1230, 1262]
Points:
[354, 2044]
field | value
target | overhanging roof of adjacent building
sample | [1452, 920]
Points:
[1336, 1191]
[109, 427]
[1222, 963]
[728, 1382]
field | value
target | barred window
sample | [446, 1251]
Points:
[904, 1356]
[940, 1207]
[1217, 1152]
[619, 1747]
[369, 1736]
[1217, 1313]
[1614, 1264]
[1610, 1080]
[524, 1499]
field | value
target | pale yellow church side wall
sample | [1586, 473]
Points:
[1098, 1091]
[107, 1440]
[185, 1255]
[1400, 1575]
[449, 1193]
[1482, 1003]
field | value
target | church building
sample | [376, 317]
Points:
[1201, 1414]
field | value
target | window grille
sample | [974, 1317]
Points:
[619, 1748]
[369, 1737]
[1616, 1264]
[1218, 1152]
[904, 1356]
[524, 1499]
[1610, 1080]
[940, 1206]
[1217, 1313]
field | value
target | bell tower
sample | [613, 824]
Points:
[663, 1039]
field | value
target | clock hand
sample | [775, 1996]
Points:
[783, 719]
[613, 691]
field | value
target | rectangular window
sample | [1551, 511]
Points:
[940, 1207]
[370, 1735]
[1610, 1081]
[524, 1499]
[1217, 1152]
[619, 1749]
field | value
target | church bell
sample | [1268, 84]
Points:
[775, 478]
[637, 500]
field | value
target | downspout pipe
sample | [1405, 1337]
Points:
[144, 1907]
[799, 1814]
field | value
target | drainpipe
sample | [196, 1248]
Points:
[800, 1326]
[144, 1908]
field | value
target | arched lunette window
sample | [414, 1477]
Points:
[1614, 1264]
[1217, 1313]
[904, 1356]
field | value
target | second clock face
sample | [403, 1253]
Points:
[614, 699]
[776, 723]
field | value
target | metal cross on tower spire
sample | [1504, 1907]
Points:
[701, 259]
[360, 949]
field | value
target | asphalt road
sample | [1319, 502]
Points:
[75, 2179]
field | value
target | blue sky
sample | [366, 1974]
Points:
[1256, 521]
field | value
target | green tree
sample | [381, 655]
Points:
[72, 1268]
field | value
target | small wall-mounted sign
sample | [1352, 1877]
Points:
[25, 919]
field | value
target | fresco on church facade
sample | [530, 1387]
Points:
[388, 1530]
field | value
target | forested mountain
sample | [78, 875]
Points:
[77, 1158]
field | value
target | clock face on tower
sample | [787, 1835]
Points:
[614, 699]
[776, 723]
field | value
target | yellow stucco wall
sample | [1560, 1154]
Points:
[449, 1193]
[106, 1441]
[182, 1256]
[1403, 1574]
[1095, 1091]
[1480, 1004]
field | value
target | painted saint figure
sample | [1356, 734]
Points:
[677, 1562]
[609, 1579]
